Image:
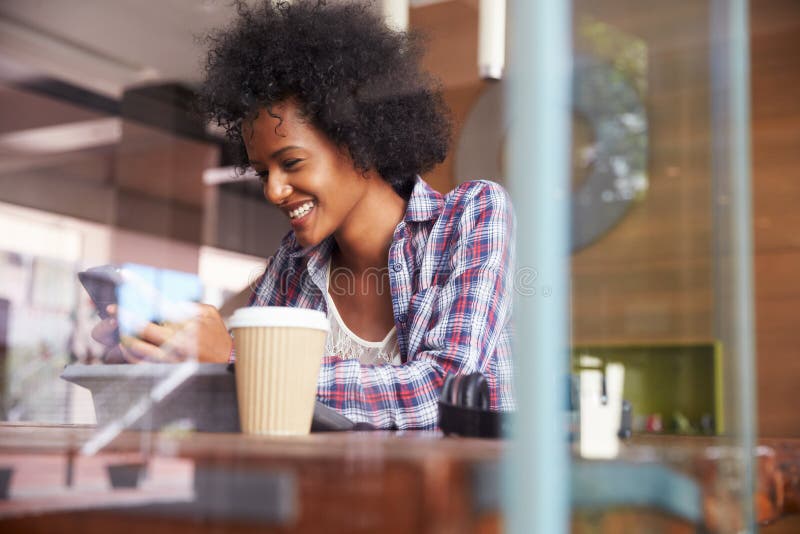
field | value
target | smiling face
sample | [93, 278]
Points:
[311, 180]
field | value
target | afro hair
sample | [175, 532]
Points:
[356, 80]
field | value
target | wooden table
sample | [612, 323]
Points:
[344, 482]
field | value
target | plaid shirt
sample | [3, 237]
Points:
[450, 267]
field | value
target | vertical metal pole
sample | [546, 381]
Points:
[733, 241]
[536, 484]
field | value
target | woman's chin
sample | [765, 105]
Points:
[305, 240]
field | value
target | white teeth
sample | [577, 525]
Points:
[302, 210]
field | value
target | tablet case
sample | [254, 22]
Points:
[205, 401]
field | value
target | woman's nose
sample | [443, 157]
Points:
[277, 189]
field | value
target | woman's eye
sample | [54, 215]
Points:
[262, 176]
[289, 163]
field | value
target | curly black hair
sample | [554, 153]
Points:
[353, 78]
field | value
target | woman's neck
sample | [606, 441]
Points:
[363, 240]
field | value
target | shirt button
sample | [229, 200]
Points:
[397, 267]
[402, 318]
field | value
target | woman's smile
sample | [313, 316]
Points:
[302, 211]
[300, 214]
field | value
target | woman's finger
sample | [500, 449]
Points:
[156, 334]
[180, 341]
[130, 356]
[114, 355]
[137, 351]
[105, 332]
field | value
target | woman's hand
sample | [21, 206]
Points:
[203, 338]
[106, 332]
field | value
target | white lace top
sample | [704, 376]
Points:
[342, 342]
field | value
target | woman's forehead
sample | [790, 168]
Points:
[280, 126]
[278, 121]
[281, 115]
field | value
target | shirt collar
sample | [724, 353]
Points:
[317, 258]
[425, 203]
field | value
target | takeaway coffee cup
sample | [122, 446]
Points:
[278, 355]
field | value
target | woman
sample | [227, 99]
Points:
[332, 111]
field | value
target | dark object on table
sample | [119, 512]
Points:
[203, 399]
[626, 421]
[464, 408]
[5, 482]
[329, 420]
[126, 476]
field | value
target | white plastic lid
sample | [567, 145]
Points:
[255, 316]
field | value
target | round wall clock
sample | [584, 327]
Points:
[609, 146]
